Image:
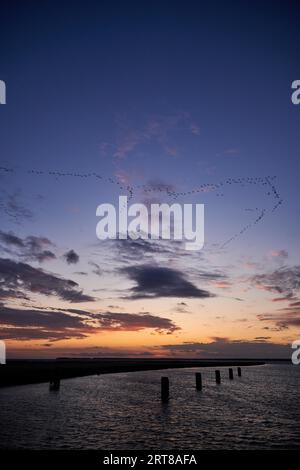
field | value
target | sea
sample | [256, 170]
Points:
[259, 410]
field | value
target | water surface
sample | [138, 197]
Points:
[124, 411]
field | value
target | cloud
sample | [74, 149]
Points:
[134, 250]
[127, 143]
[12, 207]
[97, 269]
[58, 324]
[135, 322]
[221, 284]
[285, 280]
[181, 307]
[283, 320]
[153, 281]
[30, 248]
[283, 254]
[71, 257]
[17, 277]
[282, 299]
[11, 239]
[24, 325]
[224, 348]
[49, 350]
[55, 319]
[157, 129]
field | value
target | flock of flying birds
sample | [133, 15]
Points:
[266, 181]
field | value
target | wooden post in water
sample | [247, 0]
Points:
[230, 373]
[165, 389]
[54, 385]
[218, 377]
[239, 370]
[198, 380]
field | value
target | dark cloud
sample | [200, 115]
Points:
[99, 351]
[50, 350]
[30, 248]
[19, 277]
[28, 334]
[71, 257]
[210, 275]
[11, 239]
[24, 325]
[56, 324]
[6, 293]
[224, 348]
[154, 281]
[135, 322]
[56, 320]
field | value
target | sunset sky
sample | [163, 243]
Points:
[186, 102]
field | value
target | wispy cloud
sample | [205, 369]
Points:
[96, 268]
[279, 254]
[135, 322]
[158, 129]
[285, 317]
[225, 348]
[25, 325]
[285, 280]
[13, 207]
[30, 248]
[58, 324]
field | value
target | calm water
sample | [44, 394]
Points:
[123, 411]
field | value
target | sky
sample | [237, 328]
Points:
[186, 102]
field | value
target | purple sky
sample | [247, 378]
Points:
[148, 99]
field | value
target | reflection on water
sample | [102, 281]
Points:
[124, 411]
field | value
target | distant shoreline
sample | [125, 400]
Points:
[24, 372]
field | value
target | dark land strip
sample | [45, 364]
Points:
[22, 372]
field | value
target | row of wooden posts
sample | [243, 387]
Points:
[165, 388]
[54, 384]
